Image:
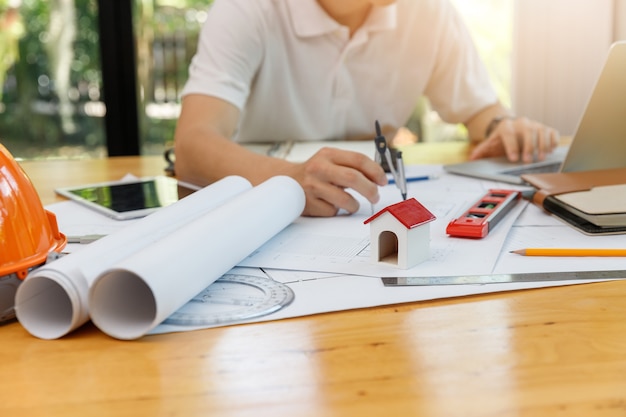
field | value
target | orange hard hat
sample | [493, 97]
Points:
[28, 232]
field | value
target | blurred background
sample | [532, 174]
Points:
[91, 78]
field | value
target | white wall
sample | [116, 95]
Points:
[620, 19]
[558, 50]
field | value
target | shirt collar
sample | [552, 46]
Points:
[309, 19]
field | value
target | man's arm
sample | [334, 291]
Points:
[500, 133]
[205, 153]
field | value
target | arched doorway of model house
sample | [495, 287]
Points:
[388, 247]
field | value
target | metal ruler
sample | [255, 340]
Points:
[503, 278]
[233, 299]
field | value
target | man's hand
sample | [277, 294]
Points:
[326, 176]
[515, 136]
[205, 153]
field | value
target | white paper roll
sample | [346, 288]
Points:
[53, 299]
[139, 292]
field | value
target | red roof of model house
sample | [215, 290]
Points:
[409, 212]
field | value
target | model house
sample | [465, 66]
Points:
[400, 234]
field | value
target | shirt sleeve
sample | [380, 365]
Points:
[230, 47]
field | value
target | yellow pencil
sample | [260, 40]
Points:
[570, 252]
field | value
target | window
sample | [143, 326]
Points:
[167, 33]
[60, 98]
[51, 96]
[491, 25]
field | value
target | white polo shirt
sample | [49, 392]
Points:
[296, 74]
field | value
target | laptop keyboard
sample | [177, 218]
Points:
[534, 169]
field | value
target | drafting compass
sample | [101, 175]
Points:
[234, 298]
[383, 153]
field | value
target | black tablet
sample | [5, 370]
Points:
[129, 199]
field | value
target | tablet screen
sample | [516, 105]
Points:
[123, 199]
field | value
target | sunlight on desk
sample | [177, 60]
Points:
[477, 352]
[266, 375]
[435, 153]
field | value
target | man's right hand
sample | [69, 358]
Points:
[326, 176]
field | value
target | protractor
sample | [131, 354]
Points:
[233, 299]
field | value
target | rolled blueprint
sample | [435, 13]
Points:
[52, 300]
[141, 291]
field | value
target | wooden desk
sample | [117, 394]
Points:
[547, 352]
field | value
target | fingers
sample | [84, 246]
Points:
[490, 147]
[529, 139]
[545, 140]
[327, 175]
[318, 207]
[538, 141]
[325, 200]
[519, 139]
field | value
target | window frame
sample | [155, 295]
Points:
[119, 77]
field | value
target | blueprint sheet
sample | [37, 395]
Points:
[325, 261]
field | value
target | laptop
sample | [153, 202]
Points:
[598, 143]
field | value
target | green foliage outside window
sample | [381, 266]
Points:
[11, 30]
[51, 98]
[54, 76]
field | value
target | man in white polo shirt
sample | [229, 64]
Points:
[278, 70]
